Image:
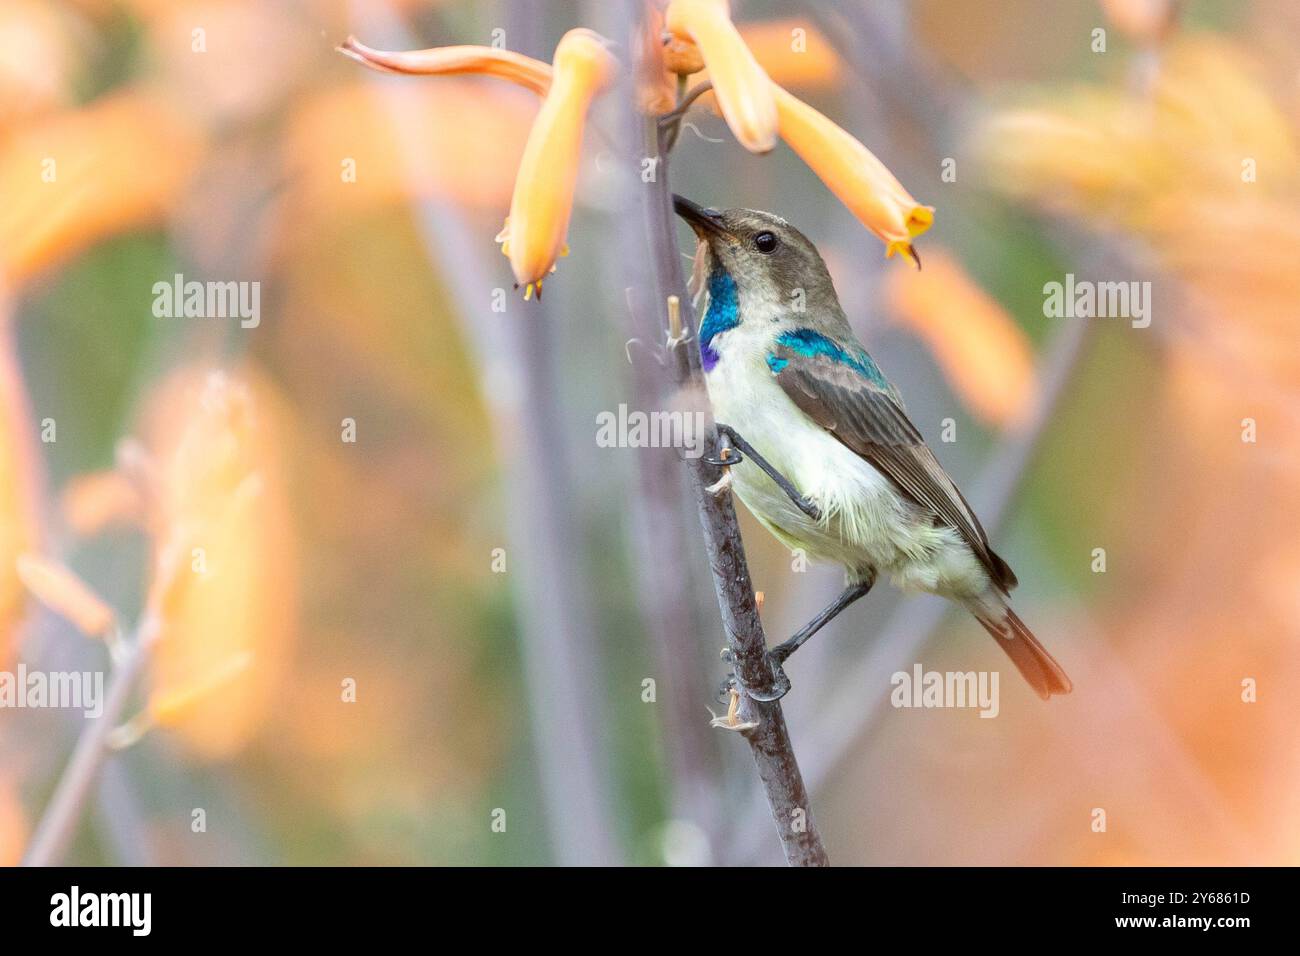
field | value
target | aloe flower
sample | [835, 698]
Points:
[533, 237]
[743, 90]
[852, 172]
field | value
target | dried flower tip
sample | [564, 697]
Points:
[676, 332]
[722, 484]
[449, 60]
[731, 720]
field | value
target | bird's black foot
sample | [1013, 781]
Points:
[779, 687]
[780, 682]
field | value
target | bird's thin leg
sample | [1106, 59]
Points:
[784, 483]
[782, 651]
[779, 654]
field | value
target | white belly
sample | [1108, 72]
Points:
[865, 525]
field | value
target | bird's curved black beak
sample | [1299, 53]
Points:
[705, 222]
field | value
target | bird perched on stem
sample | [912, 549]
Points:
[832, 465]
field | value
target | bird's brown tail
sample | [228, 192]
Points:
[1045, 676]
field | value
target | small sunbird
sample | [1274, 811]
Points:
[831, 463]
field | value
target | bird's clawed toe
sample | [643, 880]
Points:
[778, 688]
[780, 685]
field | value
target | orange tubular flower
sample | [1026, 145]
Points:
[533, 237]
[744, 92]
[853, 173]
[523, 70]
[91, 157]
[224, 587]
[985, 356]
[813, 66]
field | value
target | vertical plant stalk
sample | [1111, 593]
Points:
[768, 738]
[667, 589]
[58, 824]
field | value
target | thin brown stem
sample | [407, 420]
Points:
[766, 732]
[671, 123]
[686, 103]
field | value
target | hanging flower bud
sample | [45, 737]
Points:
[533, 237]
[743, 90]
[853, 173]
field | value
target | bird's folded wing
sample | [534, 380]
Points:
[869, 420]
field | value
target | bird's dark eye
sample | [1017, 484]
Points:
[765, 242]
